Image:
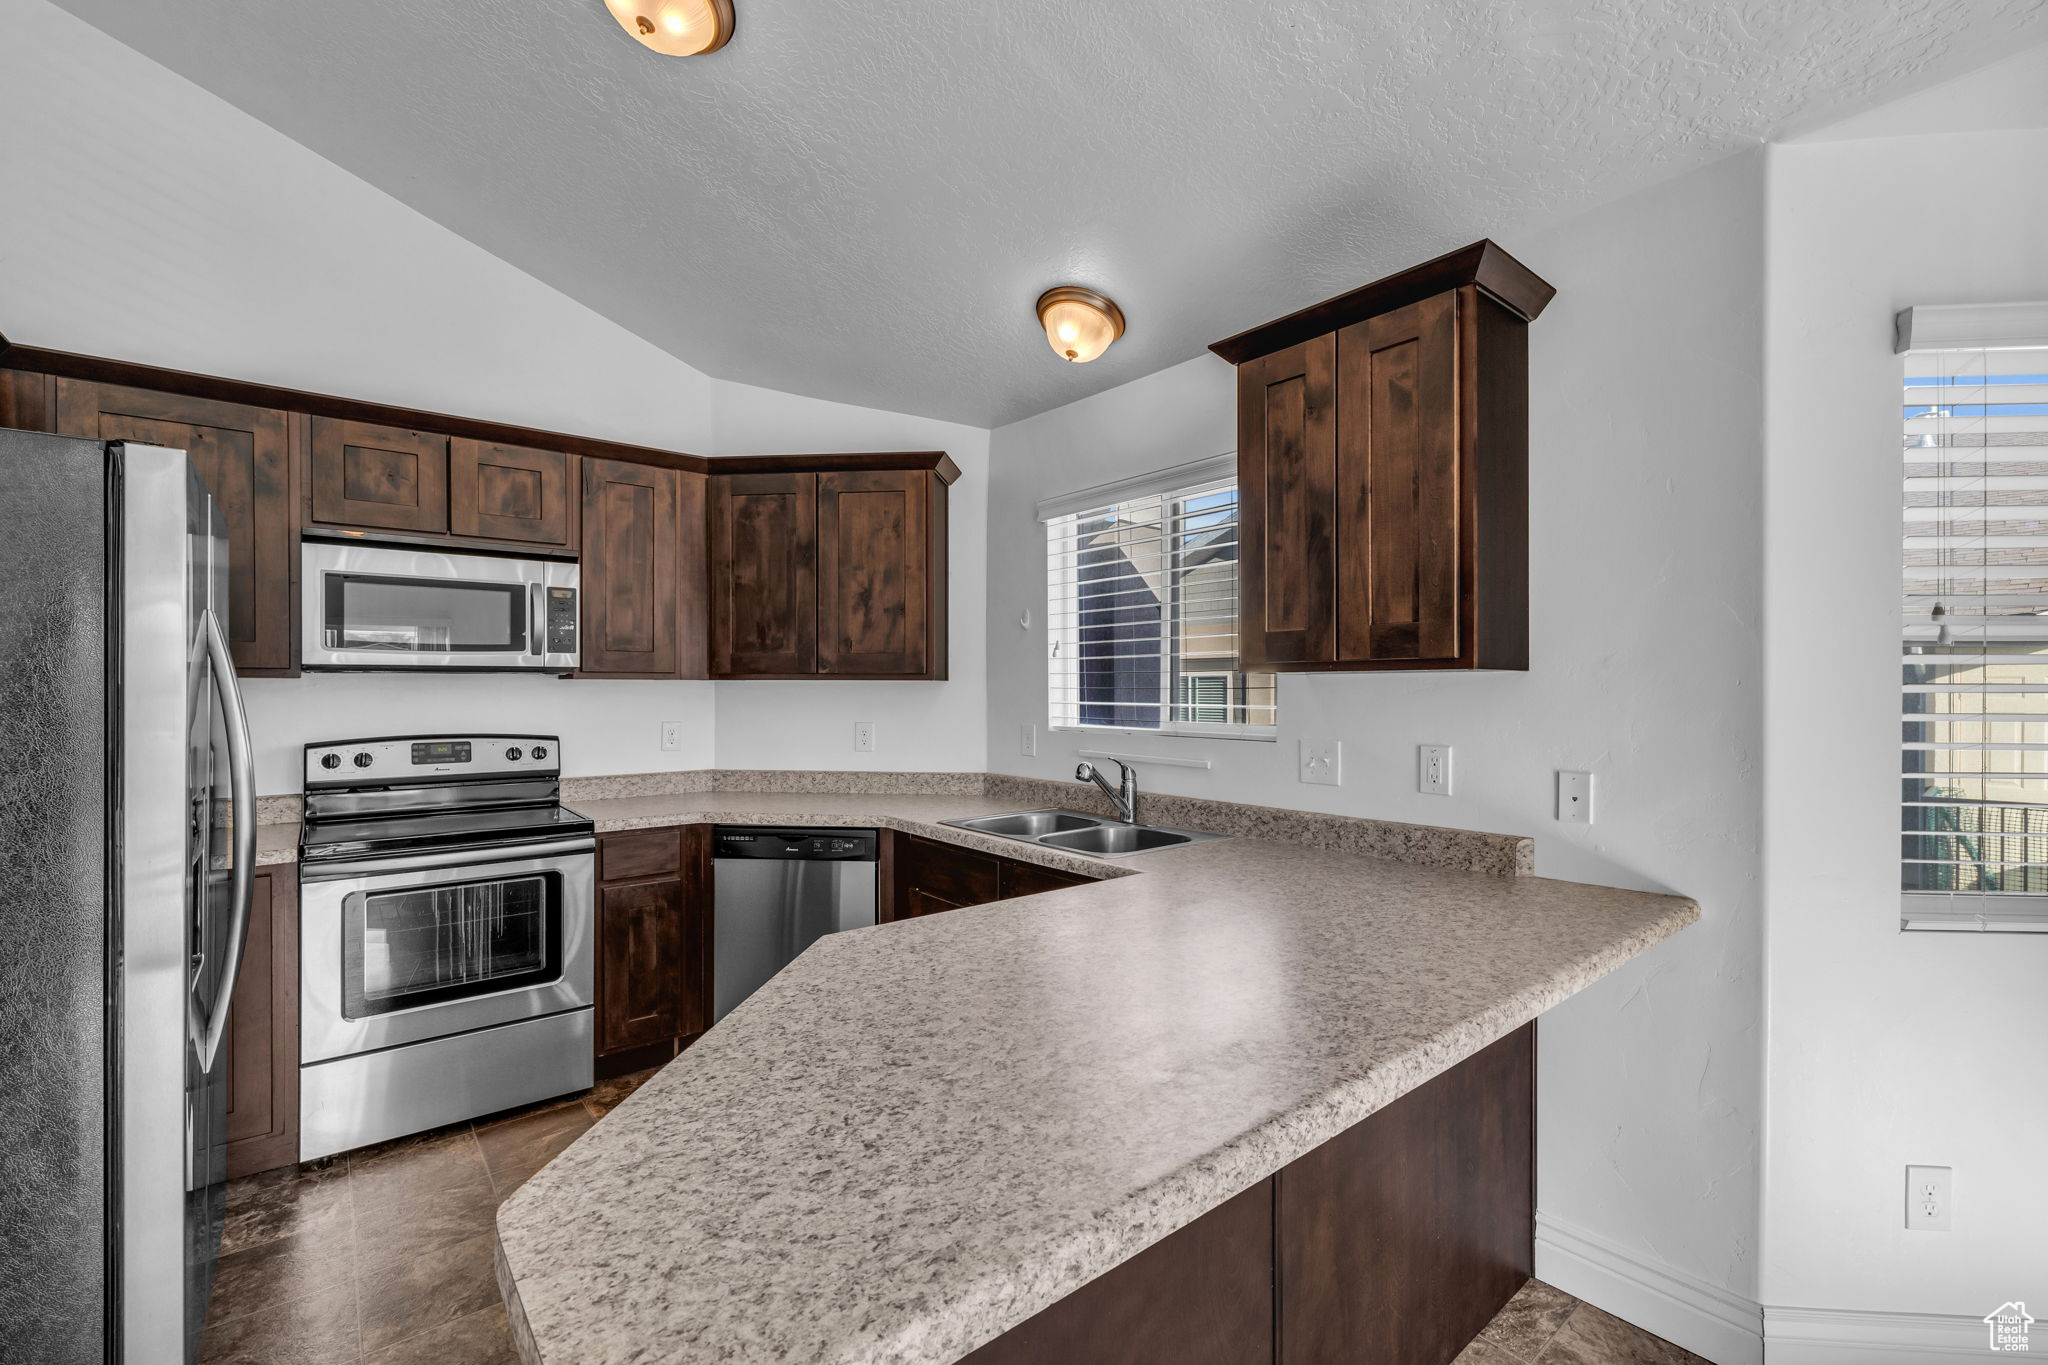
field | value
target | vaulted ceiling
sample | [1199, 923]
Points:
[860, 199]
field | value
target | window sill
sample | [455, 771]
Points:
[1257, 734]
[1974, 914]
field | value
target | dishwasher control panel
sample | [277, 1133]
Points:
[805, 845]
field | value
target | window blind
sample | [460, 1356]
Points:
[1141, 598]
[1974, 831]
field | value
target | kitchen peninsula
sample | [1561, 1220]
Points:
[920, 1140]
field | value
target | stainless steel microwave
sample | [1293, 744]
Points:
[396, 606]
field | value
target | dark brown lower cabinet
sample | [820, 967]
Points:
[263, 1031]
[653, 945]
[930, 876]
[1203, 1296]
[1393, 1243]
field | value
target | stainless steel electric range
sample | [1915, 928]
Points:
[446, 939]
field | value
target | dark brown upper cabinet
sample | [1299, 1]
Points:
[838, 572]
[764, 563]
[874, 556]
[243, 454]
[503, 492]
[1383, 473]
[378, 477]
[632, 531]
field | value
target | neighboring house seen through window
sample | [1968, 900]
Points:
[1142, 608]
[1974, 829]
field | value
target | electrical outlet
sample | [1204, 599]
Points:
[863, 736]
[1433, 770]
[1322, 762]
[1930, 1198]
[671, 736]
[1027, 741]
[1575, 798]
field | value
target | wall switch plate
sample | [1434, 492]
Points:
[1575, 798]
[1930, 1197]
[1027, 741]
[1433, 770]
[1322, 762]
[863, 736]
[671, 736]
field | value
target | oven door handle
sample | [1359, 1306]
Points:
[413, 862]
[242, 786]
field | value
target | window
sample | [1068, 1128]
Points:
[1141, 609]
[1975, 696]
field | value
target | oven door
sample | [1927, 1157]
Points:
[383, 606]
[409, 949]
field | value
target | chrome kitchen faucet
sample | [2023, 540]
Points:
[1124, 794]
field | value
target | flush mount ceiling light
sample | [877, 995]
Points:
[1079, 323]
[676, 28]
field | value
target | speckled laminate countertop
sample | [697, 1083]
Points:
[920, 1134]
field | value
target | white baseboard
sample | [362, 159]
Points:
[1675, 1304]
[1828, 1336]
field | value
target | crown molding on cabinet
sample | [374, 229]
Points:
[95, 369]
[1499, 276]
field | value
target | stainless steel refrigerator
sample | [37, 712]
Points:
[129, 847]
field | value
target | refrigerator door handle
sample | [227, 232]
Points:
[242, 768]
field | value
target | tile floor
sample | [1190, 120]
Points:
[384, 1258]
[1542, 1325]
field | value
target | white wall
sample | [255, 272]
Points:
[149, 221]
[919, 726]
[1884, 1048]
[1645, 562]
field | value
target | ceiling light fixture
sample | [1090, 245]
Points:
[1079, 323]
[676, 28]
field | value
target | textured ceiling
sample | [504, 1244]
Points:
[860, 199]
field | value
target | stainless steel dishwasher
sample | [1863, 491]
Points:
[776, 891]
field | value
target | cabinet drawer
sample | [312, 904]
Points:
[651, 853]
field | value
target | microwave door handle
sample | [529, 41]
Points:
[536, 623]
[242, 770]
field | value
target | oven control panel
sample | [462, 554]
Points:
[414, 758]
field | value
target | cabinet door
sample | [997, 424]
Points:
[387, 478]
[501, 492]
[764, 567]
[630, 537]
[643, 946]
[1401, 1237]
[932, 877]
[242, 453]
[1286, 471]
[263, 1032]
[874, 563]
[1398, 492]
[1028, 879]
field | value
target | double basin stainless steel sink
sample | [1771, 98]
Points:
[1096, 835]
